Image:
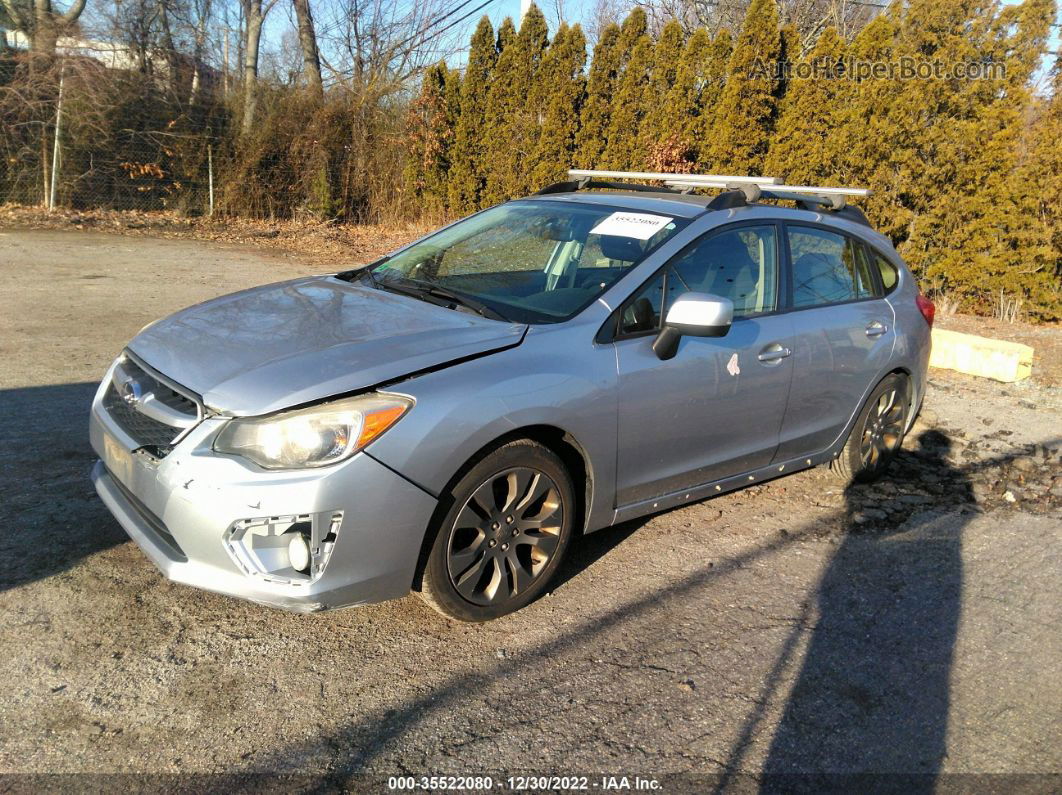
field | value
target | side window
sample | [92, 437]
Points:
[889, 274]
[739, 264]
[828, 268]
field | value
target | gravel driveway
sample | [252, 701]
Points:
[792, 628]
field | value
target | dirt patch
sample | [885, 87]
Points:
[315, 242]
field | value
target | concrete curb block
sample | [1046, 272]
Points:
[982, 356]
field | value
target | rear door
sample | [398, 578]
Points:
[715, 409]
[843, 335]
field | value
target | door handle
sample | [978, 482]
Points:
[876, 329]
[774, 353]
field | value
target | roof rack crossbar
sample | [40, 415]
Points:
[708, 180]
[773, 187]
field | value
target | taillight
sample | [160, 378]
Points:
[926, 307]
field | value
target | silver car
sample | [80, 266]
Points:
[449, 417]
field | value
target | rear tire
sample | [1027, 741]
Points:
[877, 434]
[504, 535]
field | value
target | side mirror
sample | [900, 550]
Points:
[693, 315]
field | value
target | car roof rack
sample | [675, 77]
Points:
[584, 179]
[806, 197]
[754, 189]
[738, 191]
[707, 180]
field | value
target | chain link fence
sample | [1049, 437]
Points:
[142, 170]
[75, 135]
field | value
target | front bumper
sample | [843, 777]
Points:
[180, 508]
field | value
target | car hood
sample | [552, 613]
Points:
[282, 345]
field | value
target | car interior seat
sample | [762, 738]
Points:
[730, 273]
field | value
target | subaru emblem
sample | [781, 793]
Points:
[131, 392]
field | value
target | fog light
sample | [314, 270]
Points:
[299, 552]
[290, 549]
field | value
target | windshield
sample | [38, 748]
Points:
[531, 261]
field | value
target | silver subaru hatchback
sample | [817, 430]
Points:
[448, 418]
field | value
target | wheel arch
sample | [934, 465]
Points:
[559, 441]
[909, 386]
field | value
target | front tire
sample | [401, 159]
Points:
[504, 535]
[877, 434]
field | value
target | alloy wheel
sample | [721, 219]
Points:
[505, 535]
[883, 429]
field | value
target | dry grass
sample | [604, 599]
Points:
[320, 243]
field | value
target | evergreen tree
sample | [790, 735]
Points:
[553, 154]
[467, 166]
[974, 237]
[431, 130]
[506, 35]
[712, 80]
[513, 128]
[789, 54]
[601, 86]
[690, 77]
[633, 28]
[660, 135]
[550, 71]
[453, 107]
[745, 118]
[860, 143]
[622, 150]
[1042, 172]
[801, 150]
[1024, 260]
[925, 120]
[614, 51]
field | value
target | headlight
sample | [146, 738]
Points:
[313, 436]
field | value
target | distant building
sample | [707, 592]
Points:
[117, 56]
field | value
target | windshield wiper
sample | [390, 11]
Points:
[423, 290]
[362, 271]
[466, 300]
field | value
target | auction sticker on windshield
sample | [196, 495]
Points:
[640, 226]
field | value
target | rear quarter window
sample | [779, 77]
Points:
[889, 274]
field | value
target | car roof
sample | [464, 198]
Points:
[690, 206]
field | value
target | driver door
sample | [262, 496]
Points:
[716, 408]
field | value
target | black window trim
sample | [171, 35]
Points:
[874, 276]
[609, 331]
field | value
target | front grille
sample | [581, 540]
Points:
[174, 400]
[144, 430]
[127, 410]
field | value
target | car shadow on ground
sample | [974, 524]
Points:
[586, 550]
[869, 705]
[54, 518]
[860, 688]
